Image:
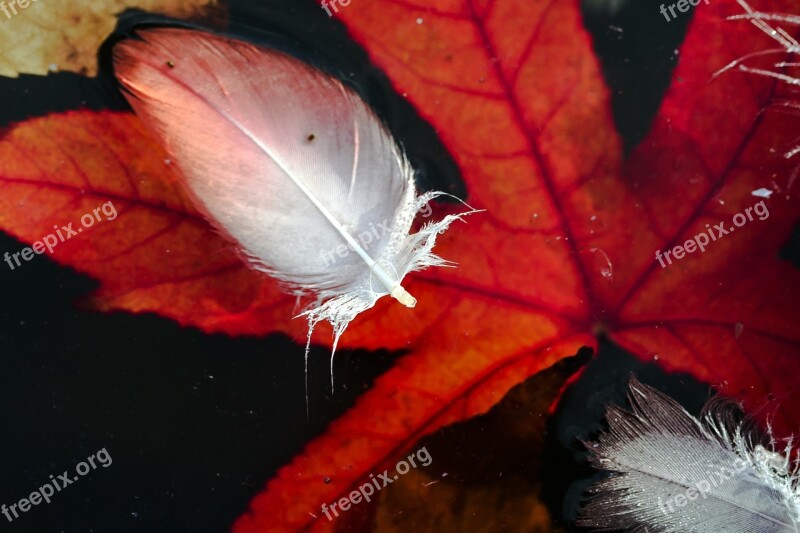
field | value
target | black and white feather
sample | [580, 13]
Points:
[673, 473]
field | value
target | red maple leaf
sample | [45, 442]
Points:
[565, 250]
[567, 247]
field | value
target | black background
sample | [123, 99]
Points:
[195, 423]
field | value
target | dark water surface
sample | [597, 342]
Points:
[195, 423]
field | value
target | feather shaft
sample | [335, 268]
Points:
[673, 473]
[288, 163]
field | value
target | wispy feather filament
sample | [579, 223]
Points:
[287, 162]
[658, 453]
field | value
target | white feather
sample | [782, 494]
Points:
[788, 44]
[675, 473]
[289, 163]
[788, 56]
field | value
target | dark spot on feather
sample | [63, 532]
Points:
[311, 137]
[170, 64]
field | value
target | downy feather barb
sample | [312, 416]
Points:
[288, 163]
[673, 473]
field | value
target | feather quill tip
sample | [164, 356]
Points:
[327, 214]
[402, 296]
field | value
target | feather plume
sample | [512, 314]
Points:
[788, 44]
[674, 473]
[288, 163]
[787, 54]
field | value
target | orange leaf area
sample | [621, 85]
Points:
[567, 246]
[565, 250]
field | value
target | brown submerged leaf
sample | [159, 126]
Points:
[485, 472]
[66, 34]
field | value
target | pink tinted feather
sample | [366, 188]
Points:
[287, 162]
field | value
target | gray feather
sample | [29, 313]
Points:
[671, 472]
